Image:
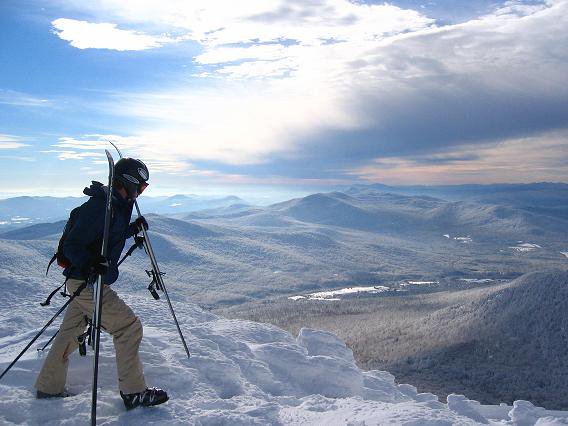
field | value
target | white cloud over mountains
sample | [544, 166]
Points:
[329, 87]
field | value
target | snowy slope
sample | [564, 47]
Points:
[240, 373]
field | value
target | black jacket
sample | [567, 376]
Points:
[84, 240]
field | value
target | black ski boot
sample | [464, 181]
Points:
[146, 398]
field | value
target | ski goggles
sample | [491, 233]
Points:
[141, 187]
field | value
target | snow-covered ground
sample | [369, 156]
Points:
[240, 373]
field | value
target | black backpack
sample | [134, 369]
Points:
[58, 255]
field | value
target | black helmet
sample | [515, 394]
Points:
[132, 174]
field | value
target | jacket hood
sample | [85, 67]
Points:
[98, 190]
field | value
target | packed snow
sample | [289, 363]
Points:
[240, 373]
[331, 294]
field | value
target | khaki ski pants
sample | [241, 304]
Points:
[117, 319]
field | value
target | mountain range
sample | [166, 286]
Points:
[18, 212]
[237, 253]
[542, 194]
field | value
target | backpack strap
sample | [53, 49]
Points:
[49, 265]
[48, 300]
[138, 243]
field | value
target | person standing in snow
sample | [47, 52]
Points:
[82, 247]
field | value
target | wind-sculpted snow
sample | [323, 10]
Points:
[240, 373]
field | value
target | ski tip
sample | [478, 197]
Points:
[109, 157]
[115, 147]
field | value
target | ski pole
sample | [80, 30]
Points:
[160, 280]
[156, 268]
[137, 244]
[48, 342]
[75, 294]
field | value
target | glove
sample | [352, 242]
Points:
[141, 222]
[98, 265]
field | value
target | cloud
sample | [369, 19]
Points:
[88, 148]
[17, 158]
[234, 126]
[14, 98]
[90, 35]
[318, 88]
[531, 159]
[70, 148]
[89, 142]
[11, 142]
[224, 21]
[73, 155]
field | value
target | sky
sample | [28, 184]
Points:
[282, 97]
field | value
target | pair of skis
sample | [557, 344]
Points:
[157, 275]
[98, 290]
